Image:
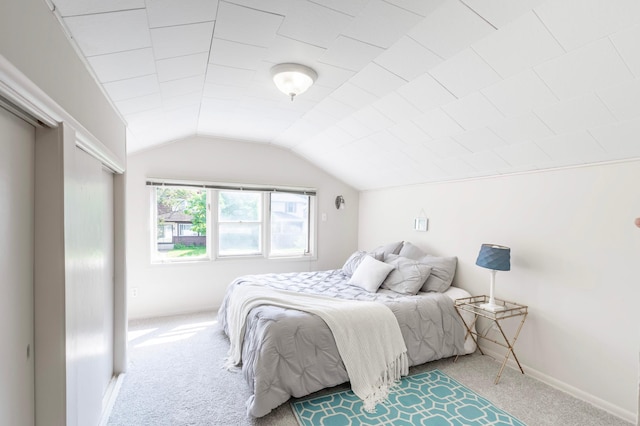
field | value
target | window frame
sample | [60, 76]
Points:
[212, 236]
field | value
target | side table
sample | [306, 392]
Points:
[511, 310]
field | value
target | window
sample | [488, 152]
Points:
[273, 223]
[180, 215]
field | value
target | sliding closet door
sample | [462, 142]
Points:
[17, 148]
[89, 287]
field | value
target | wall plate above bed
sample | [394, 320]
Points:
[420, 224]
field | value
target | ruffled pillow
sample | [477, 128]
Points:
[408, 275]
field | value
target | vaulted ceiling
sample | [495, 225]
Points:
[408, 91]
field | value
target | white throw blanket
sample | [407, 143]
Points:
[367, 335]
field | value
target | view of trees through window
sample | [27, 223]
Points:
[181, 222]
[237, 224]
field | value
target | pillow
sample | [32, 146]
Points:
[370, 274]
[352, 262]
[411, 251]
[408, 276]
[382, 251]
[442, 271]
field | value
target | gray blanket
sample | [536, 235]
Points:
[292, 353]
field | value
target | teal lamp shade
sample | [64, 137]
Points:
[495, 257]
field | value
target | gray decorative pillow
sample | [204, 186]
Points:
[411, 251]
[382, 251]
[408, 276]
[352, 262]
[370, 274]
[442, 271]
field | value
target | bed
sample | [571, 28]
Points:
[290, 353]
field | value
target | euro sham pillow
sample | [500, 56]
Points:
[352, 262]
[408, 275]
[382, 251]
[370, 274]
[411, 251]
[442, 271]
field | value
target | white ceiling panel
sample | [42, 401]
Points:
[123, 65]
[182, 86]
[487, 161]
[519, 94]
[623, 100]
[313, 24]
[181, 101]
[165, 13]
[578, 22]
[86, 7]
[373, 119]
[132, 87]
[426, 93]
[575, 114]
[408, 59]
[381, 23]
[139, 104]
[397, 108]
[283, 49]
[520, 45]
[450, 28]
[526, 154]
[420, 7]
[355, 128]
[409, 133]
[181, 40]
[220, 91]
[473, 111]
[479, 140]
[237, 55]
[464, 73]
[354, 96]
[347, 52]
[455, 166]
[351, 8]
[571, 148]
[182, 67]
[110, 32]
[377, 80]
[620, 140]
[334, 108]
[524, 128]
[501, 12]
[437, 124]
[592, 67]
[245, 25]
[626, 43]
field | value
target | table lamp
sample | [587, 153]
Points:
[496, 258]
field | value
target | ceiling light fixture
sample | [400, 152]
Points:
[293, 79]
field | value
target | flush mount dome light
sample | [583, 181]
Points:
[293, 79]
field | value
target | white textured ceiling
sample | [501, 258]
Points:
[408, 91]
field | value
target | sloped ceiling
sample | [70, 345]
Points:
[408, 91]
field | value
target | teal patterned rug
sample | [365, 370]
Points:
[431, 398]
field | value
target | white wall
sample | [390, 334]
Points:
[165, 289]
[575, 262]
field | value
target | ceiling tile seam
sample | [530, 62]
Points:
[489, 65]
[621, 57]
[597, 141]
[477, 14]
[150, 47]
[405, 9]
[553, 132]
[492, 104]
[332, 9]
[548, 30]
[206, 69]
[542, 80]
[464, 129]
[208, 52]
[597, 95]
[391, 72]
[214, 37]
[299, 41]
[425, 47]
[248, 7]
[443, 86]
[133, 78]
[106, 12]
[180, 25]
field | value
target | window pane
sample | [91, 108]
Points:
[289, 224]
[239, 239]
[236, 206]
[181, 215]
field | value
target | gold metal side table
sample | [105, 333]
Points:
[511, 310]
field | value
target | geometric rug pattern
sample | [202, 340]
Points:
[431, 398]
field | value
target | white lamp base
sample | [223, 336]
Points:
[492, 307]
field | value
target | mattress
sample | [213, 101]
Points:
[289, 353]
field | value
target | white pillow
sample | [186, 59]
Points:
[370, 274]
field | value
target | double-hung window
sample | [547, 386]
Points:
[204, 222]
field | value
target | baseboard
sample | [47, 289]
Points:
[565, 387]
[109, 398]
